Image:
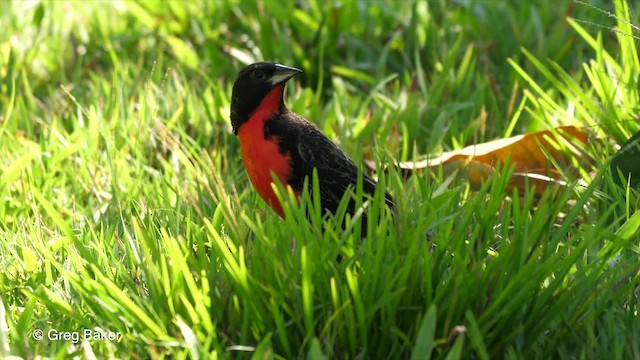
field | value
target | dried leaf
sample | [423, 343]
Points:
[541, 158]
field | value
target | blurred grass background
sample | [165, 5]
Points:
[125, 206]
[451, 56]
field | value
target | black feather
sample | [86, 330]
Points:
[309, 148]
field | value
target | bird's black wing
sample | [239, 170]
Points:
[309, 149]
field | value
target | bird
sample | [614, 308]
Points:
[277, 142]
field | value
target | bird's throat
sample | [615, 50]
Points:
[269, 106]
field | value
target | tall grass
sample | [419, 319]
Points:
[126, 210]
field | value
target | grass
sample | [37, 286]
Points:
[126, 209]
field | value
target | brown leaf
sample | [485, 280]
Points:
[540, 158]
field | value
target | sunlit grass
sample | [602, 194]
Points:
[126, 210]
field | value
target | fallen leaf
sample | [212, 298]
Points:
[626, 163]
[540, 159]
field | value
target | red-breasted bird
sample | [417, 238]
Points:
[275, 140]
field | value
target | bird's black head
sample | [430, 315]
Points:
[252, 85]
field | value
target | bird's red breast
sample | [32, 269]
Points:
[262, 157]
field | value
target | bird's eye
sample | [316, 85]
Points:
[258, 74]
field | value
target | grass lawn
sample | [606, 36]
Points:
[128, 224]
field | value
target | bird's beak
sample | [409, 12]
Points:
[283, 73]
